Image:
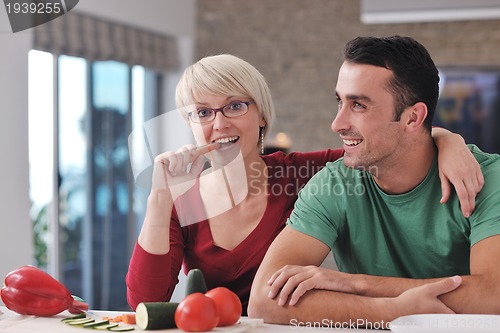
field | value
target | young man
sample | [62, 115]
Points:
[377, 209]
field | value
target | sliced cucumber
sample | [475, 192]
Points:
[80, 321]
[121, 328]
[96, 323]
[105, 327]
[78, 316]
[155, 315]
[195, 282]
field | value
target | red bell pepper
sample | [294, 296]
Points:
[30, 291]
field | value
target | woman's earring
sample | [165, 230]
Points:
[262, 140]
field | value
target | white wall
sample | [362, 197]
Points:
[15, 226]
[174, 17]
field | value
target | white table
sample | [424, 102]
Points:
[11, 322]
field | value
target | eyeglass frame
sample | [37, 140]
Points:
[221, 109]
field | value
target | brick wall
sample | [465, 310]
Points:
[297, 45]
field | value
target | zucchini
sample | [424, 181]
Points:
[195, 282]
[121, 328]
[80, 321]
[155, 315]
[78, 316]
[105, 327]
[96, 323]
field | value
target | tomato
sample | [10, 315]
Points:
[196, 313]
[228, 305]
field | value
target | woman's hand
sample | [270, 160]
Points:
[294, 281]
[458, 166]
[177, 171]
[425, 298]
[174, 173]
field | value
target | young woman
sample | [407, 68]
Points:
[223, 219]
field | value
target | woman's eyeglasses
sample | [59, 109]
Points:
[232, 110]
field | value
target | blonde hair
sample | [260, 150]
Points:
[225, 75]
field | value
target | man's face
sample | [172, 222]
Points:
[365, 118]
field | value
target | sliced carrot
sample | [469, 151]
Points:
[116, 319]
[128, 318]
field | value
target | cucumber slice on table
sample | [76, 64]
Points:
[96, 323]
[80, 321]
[78, 316]
[105, 327]
[195, 282]
[155, 315]
[121, 328]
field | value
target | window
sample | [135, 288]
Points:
[469, 104]
[86, 208]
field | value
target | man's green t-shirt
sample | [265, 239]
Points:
[407, 235]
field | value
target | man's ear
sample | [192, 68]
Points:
[415, 116]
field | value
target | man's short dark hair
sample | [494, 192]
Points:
[415, 77]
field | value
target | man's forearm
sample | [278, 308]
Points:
[475, 295]
[384, 286]
[322, 306]
[336, 309]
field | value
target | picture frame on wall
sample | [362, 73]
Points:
[469, 104]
